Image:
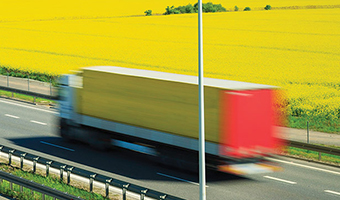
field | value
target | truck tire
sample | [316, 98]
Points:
[64, 130]
[179, 159]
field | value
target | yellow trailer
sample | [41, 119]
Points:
[157, 113]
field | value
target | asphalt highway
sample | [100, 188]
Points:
[32, 129]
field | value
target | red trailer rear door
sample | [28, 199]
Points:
[247, 123]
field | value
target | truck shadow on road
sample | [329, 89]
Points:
[120, 164]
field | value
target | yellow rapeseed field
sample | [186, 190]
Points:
[297, 49]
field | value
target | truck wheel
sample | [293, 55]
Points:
[97, 141]
[170, 158]
[64, 131]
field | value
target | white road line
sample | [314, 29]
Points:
[8, 115]
[41, 123]
[278, 179]
[28, 107]
[305, 166]
[180, 179]
[56, 146]
[332, 192]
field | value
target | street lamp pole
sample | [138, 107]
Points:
[201, 106]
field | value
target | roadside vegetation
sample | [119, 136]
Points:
[313, 155]
[23, 97]
[76, 188]
[321, 124]
[32, 75]
[27, 74]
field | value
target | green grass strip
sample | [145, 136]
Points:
[313, 155]
[26, 97]
[315, 123]
[50, 181]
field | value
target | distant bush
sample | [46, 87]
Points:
[236, 8]
[206, 7]
[247, 9]
[268, 7]
[32, 75]
[148, 12]
[210, 7]
[171, 10]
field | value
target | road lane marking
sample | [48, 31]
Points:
[180, 179]
[8, 115]
[332, 192]
[278, 179]
[56, 146]
[29, 107]
[41, 123]
[305, 166]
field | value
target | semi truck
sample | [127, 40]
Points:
[156, 113]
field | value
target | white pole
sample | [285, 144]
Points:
[201, 105]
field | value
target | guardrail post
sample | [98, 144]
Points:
[142, 194]
[162, 197]
[125, 187]
[34, 99]
[43, 196]
[10, 152]
[11, 185]
[48, 163]
[28, 82]
[50, 87]
[62, 168]
[69, 170]
[7, 80]
[35, 164]
[22, 156]
[107, 187]
[308, 132]
[91, 181]
[319, 155]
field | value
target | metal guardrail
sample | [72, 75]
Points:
[44, 190]
[107, 181]
[91, 176]
[313, 147]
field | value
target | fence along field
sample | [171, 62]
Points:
[296, 49]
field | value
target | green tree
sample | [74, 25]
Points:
[148, 12]
[268, 7]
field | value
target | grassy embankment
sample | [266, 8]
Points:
[26, 98]
[313, 155]
[315, 123]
